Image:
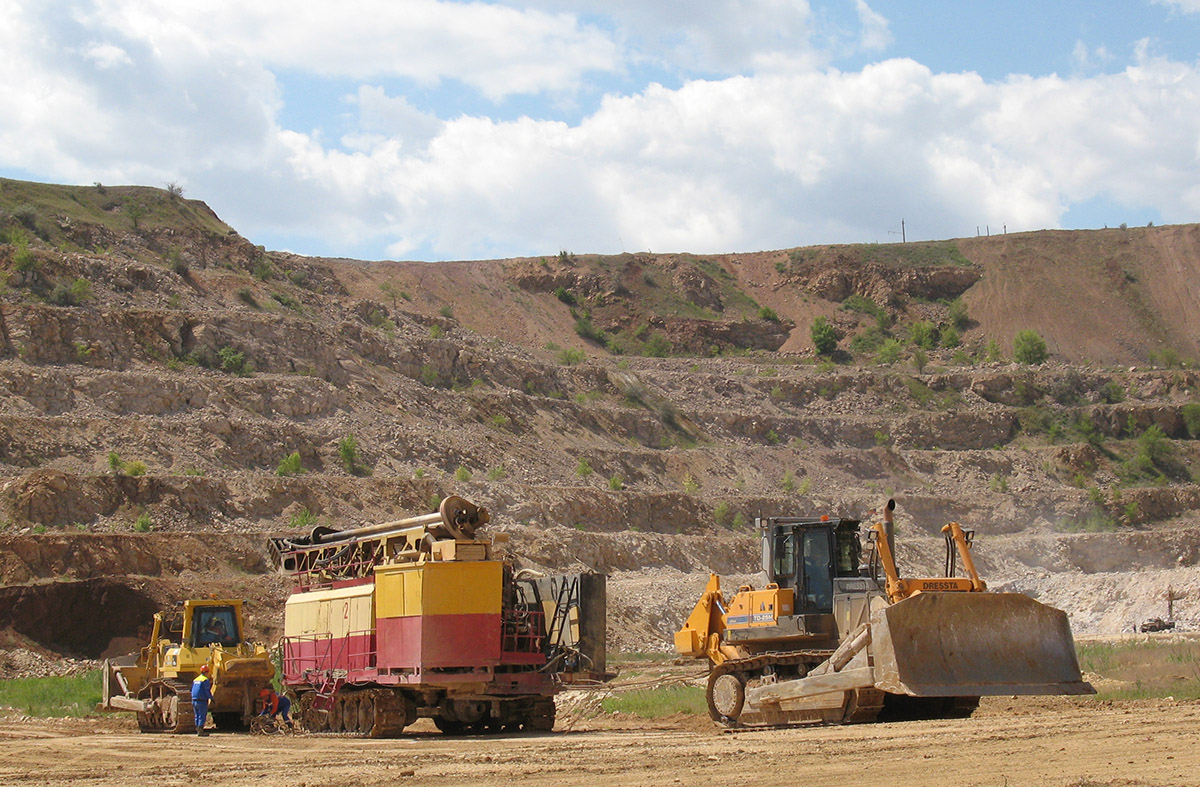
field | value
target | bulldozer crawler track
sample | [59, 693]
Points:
[360, 713]
[862, 706]
[384, 713]
[171, 709]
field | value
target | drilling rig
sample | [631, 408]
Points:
[421, 617]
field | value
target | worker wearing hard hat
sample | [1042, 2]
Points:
[201, 695]
[275, 705]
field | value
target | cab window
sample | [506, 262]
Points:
[818, 579]
[214, 626]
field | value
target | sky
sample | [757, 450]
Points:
[436, 130]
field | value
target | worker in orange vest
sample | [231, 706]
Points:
[275, 705]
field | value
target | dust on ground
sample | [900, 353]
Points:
[1047, 741]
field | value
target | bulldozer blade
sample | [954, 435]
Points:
[974, 644]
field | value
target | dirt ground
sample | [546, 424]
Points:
[1067, 742]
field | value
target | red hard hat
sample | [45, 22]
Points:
[265, 693]
[204, 668]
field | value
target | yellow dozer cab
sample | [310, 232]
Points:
[835, 638]
[157, 682]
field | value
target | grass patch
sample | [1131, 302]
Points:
[1137, 669]
[74, 695]
[656, 703]
[915, 255]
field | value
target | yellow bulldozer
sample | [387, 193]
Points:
[838, 636]
[156, 683]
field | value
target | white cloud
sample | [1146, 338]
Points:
[714, 36]
[1185, 6]
[498, 49]
[107, 55]
[1086, 58]
[774, 161]
[773, 157]
[875, 36]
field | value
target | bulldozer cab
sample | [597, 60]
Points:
[806, 554]
[212, 623]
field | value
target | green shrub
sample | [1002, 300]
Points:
[616, 483]
[462, 474]
[262, 269]
[73, 294]
[1154, 444]
[658, 346]
[889, 351]
[565, 295]
[1166, 357]
[957, 314]
[121, 467]
[919, 359]
[303, 519]
[233, 362]
[864, 305]
[290, 465]
[583, 468]
[288, 302]
[923, 334]
[586, 330]
[1029, 348]
[950, 337]
[176, 262]
[868, 341]
[429, 375]
[992, 352]
[723, 514]
[739, 520]
[788, 482]
[768, 314]
[824, 337]
[690, 484]
[246, 296]
[447, 311]
[1114, 393]
[1191, 419]
[571, 356]
[348, 453]
[496, 473]
[436, 331]
[25, 260]
[143, 524]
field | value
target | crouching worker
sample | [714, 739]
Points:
[275, 706]
[201, 694]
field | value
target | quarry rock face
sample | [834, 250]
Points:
[630, 414]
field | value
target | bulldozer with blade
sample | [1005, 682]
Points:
[156, 683]
[838, 636]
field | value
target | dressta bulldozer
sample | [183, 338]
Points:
[836, 638]
[156, 683]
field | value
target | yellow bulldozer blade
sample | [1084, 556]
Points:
[974, 644]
